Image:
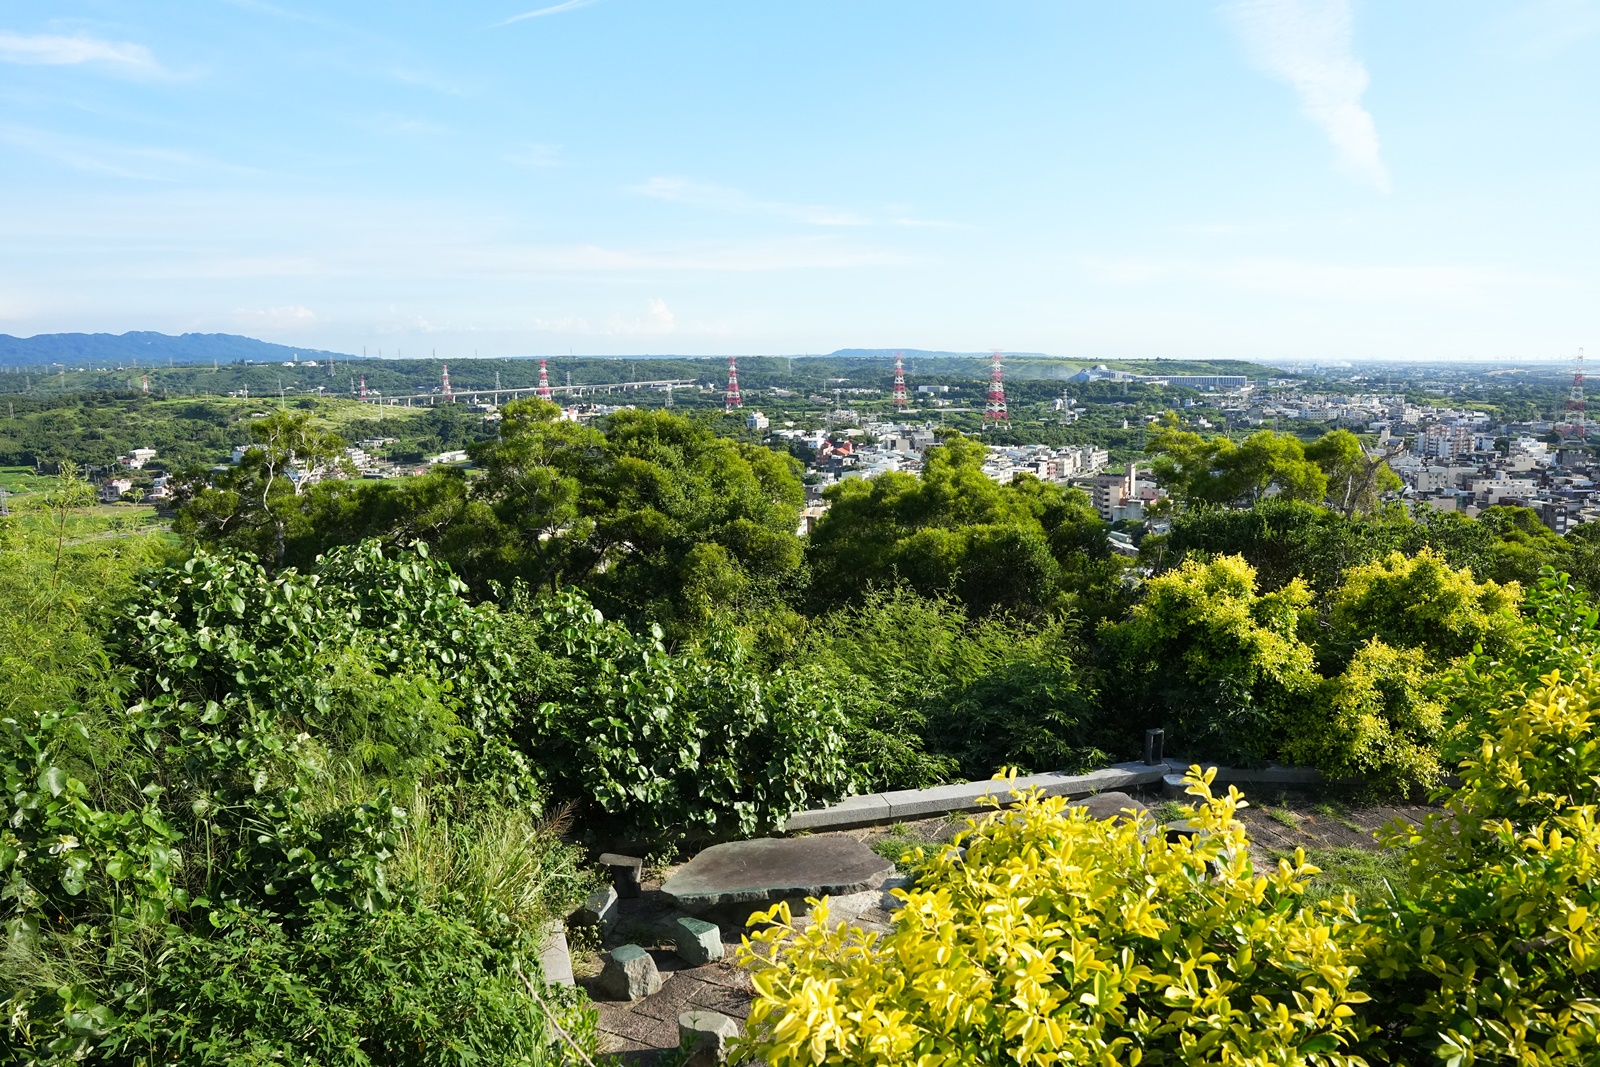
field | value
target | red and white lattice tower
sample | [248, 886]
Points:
[900, 400]
[144, 382]
[544, 380]
[732, 400]
[995, 409]
[1576, 408]
[445, 391]
[363, 391]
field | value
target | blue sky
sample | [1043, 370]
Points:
[1293, 179]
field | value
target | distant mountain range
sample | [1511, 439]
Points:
[149, 349]
[922, 353]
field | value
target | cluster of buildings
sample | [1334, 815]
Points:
[1100, 372]
[1469, 474]
[878, 448]
[1368, 412]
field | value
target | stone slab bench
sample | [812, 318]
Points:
[876, 809]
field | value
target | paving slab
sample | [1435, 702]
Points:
[774, 868]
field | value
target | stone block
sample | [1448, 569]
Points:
[698, 941]
[555, 959]
[627, 873]
[629, 974]
[599, 910]
[707, 1036]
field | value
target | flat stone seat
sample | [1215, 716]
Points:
[775, 868]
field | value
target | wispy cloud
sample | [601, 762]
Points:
[1386, 283]
[1543, 28]
[139, 162]
[423, 79]
[734, 201]
[1307, 43]
[123, 57]
[553, 9]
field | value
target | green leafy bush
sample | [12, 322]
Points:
[672, 746]
[1492, 955]
[314, 844]
[936, 694]
[1420, 601]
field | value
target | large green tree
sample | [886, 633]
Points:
[656, 517]
[954, 530]
[258, 503]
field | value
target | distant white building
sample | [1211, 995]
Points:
[112, 490]
[136, 459]
[756, 421]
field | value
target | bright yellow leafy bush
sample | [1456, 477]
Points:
[1492, 955]
[1378, 721]
[1056, 938]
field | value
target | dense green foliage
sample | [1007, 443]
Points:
[287, 783]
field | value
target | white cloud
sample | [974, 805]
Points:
[278, 318]
[1307, 43]
[140, 162]
[657, 321]
[50, 50]
[537, 156]
[734, 201]
[553, 9]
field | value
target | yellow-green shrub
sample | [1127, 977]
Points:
[1060, 939]
[1493, 954]
[1377, 721]
[1421, 601]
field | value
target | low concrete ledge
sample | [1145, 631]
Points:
[1173, 786]
[876, 809]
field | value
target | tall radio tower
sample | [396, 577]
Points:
[445, 392]
[995, 409]
[1575, 404]
[732, 400]
[363, 393]
[900, 400]
[144, 383]
[544, 381]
